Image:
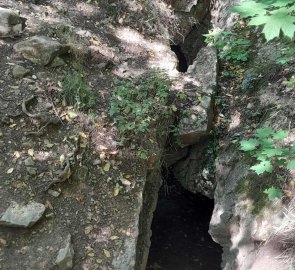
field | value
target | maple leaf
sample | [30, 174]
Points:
[263, 166]
[278, 20]
[249, 8]
[278, 3]
[273, 193]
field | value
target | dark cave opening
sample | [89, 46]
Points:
[180, 238]
[182, 62]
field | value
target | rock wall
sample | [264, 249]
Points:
[250, 238]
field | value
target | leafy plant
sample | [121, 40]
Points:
[137, 103]
[276, 16]
[264, 147]
[290, 83]
[230, 45]
[75, 91]
[273, 193]
[286, 54]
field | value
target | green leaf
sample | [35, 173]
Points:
[286, 153]
[271, 152]
[277, 3]
[293, 147]
[280, 161]
[278, 20]
[266, 143]
[280, 135]
[264, 132]
[249, 145]
[291, 165]
[263, 166]
[273, 193]
[249, 8]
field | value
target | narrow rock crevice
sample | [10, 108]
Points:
[182, 63]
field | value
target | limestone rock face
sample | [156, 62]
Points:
[184, 5]
[40, 49]
[191, 172]
[201, 83]
[22, 216]
[10, 23]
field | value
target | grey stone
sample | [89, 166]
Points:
[10, 23]
[40, 49]
[57, 62]
[31, 170]
[20, 71]
[53, 193]
[22, 215]
[65, 256]
[29, 161]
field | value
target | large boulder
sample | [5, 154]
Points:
[11, 24]
[40, 50]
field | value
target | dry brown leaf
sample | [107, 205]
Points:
[9, 171]
[107, 253]
[106, 167]
[31, 152]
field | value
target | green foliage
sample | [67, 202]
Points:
[290, 83]
[286, 54]
[75, 91]
[142, 153]
[266, 150]
[230, 45]
[273, 193]
[137, 103]
[276, 16]
[249, 80]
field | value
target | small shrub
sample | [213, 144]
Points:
[286, 54]
[137, 103]
[231, 46]
[266, 149]
[75, 91]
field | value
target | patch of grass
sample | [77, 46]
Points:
[75, 90]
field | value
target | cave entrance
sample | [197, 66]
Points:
[182, 62]
[180, 238]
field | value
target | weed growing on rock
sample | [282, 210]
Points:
[268, 150]
[75, 91]
[231, 46]
[138, 103]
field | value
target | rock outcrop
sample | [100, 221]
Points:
[11, 24]
[195, 123]
[200, 83]
[40, 49]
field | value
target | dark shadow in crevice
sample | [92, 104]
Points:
[180, 239]
[182, 63]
